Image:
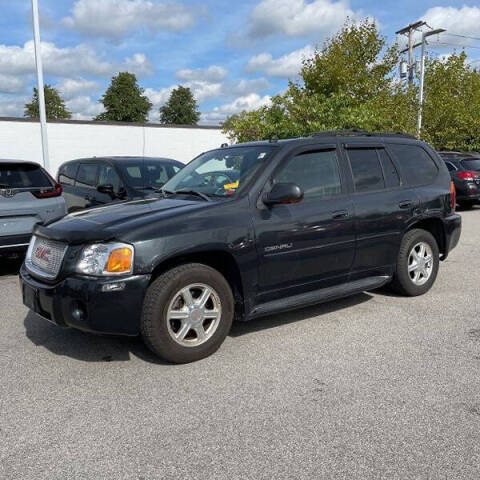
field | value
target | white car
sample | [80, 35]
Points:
[28, 196]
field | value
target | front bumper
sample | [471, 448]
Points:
[80, 302]
[453, 229]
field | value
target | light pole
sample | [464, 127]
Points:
[422, 76]
[41, 94]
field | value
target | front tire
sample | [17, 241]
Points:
[187, 313]
[417, 263]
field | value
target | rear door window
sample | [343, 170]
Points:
[416, 165]
[108, 176]
[366, 169]
[87, 175]
[392, 178]
[16, 175]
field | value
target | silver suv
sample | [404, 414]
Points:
[28, 196]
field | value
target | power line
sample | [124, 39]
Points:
[444, 44]
[463, 36]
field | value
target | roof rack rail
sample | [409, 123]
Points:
[342, 133]
[350, 132]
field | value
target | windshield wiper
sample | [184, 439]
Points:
[192, 192]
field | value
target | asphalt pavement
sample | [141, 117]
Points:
[371, 387]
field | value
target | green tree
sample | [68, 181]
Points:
[451, 118]
[124, 101]
[348, 83]
[54, 105]
[180, 109]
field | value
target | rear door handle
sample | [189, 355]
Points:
[406, 204]
[338, 215]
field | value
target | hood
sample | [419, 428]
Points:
[106, 223]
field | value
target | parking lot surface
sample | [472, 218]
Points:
[371, 387]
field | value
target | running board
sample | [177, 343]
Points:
[319, 296]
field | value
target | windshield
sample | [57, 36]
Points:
[472, 164]
[14, 175]
[221, 173]
[147, 174]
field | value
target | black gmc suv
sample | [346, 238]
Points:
[246, 231]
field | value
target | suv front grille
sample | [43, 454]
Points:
[44, 257]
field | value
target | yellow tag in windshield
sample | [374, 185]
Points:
[231, 186]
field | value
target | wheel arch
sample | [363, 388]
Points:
[220, 260]
[436, 227]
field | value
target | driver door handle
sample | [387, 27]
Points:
[405, 204]
[339, 214]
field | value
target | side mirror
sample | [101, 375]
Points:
[282, 194]
[106, 189]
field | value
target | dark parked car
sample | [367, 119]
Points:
[91, 182]
[28, 196]
[465, 172]
[301, 221]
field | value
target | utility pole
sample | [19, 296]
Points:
[41, 94]
[409, 30]
[422, 76]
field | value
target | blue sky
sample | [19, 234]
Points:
[233, 55]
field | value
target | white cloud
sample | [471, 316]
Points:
[462, 21]
[83, 107]
[158, 98]
[298, 17]
[11, 83]
[240, 104]
[286, 66]
[138, 64]
[70, 87]
[12, 108]
[213, 73]
[116, 18]
[207, 84]
[66, 62]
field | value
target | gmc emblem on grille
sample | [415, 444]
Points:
[43, 253]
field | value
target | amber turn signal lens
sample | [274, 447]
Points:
[120, 261]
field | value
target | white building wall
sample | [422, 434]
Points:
[20, 140]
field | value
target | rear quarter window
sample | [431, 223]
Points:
[66, 175]
[416, 165]
[15, 175]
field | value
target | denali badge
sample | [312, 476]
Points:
[276, 248]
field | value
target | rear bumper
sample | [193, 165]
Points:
[14, 243]
[453, 229]
[467, 191]
[79, 302]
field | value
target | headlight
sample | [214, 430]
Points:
[105, 259]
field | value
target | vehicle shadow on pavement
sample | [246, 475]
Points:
[88, 347]
[84, 346]
[279, 319]
[10, 265]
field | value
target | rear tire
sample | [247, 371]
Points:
[417, 264]
[187, 313]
